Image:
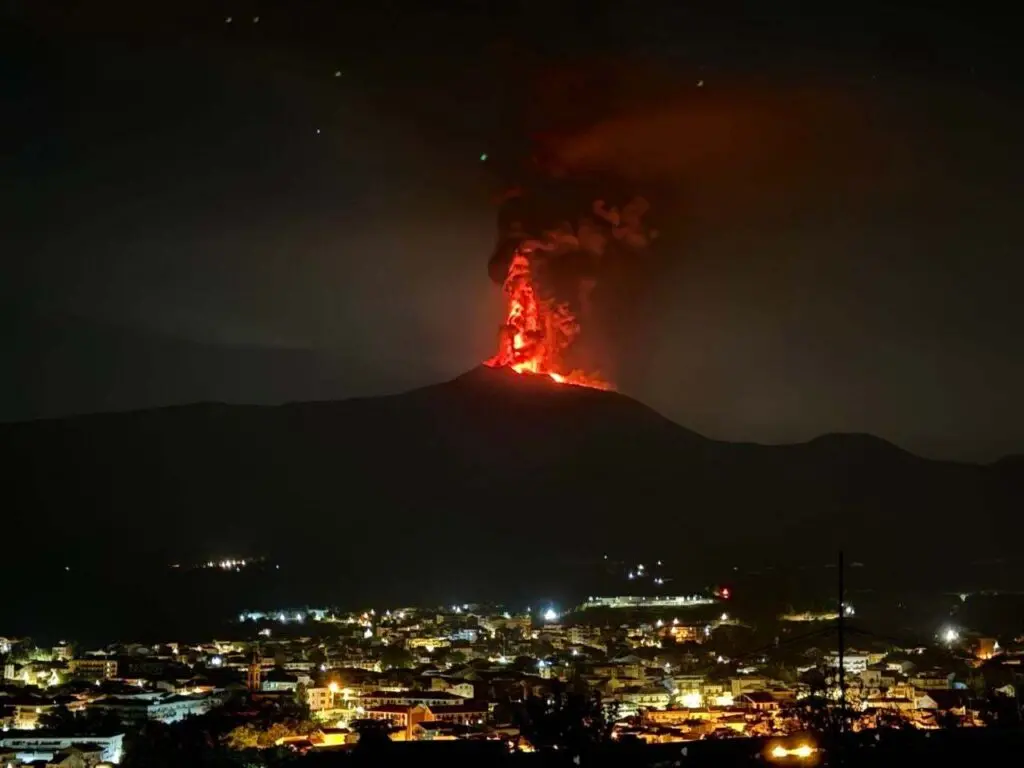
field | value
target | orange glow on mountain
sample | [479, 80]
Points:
[537, 331]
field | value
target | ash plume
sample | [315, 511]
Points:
[562, 232]
[617, 188]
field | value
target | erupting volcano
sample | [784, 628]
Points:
[554, 247]
[536, 330]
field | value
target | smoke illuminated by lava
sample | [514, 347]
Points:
[550, 267]
[536, 330]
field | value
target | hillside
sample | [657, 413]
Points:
[480, 474]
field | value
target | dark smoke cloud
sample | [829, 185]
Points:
[659, 167]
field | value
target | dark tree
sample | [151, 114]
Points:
[373, 734]
[568, 719]
[394, 657]
[59, 719]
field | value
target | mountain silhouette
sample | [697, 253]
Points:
[481, 475]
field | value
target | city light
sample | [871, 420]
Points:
[691, 700]
[801, 752]
[538, 644]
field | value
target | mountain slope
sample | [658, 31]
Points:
[480, 473]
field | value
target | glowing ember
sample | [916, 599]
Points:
[537, 331]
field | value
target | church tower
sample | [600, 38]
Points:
[255, 670]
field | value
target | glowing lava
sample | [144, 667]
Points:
[537, 331]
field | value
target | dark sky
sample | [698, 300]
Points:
[195, 209]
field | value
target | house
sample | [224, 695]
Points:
[439, 730]
[93, 668]
[747, 684]
[279, 680]
[463, 689]
[319, 699]
[43, 746]
[81, 756]
[932, 680]
[408, 718]
[644, 698]
[951, 701]
[410, 698]
[165, 707]
[759, 701]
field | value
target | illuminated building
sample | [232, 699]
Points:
[854, 663]
[93, 668]
[46, 746]
[428, 643]
[581, 635]
[279, 680]
[465, 690]
[631, 601]
[163, 707]
[986, 647]
[27, 710]
[409, 717]
[760, 701]
[810, 616]
[507, 622]
[686, 633]
[407, 699]
[932, 680]
[319, 699]
[747, 684]
[644, 698]
[255, 671]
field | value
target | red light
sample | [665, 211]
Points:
[725, 593]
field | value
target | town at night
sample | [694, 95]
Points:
[512, 383]
[645, 673]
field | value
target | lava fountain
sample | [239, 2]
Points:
[537, 330]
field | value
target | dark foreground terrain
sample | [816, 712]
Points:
[492, 485]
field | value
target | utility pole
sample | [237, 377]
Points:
[842, 649]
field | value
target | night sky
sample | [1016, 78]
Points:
[292, 204]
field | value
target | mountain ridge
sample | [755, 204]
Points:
[492, 463]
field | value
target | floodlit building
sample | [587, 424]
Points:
[45, 746]
[410, 698]
[853, 663]
[631, 601]
[93, 668]
[319, 699]
[164, 707]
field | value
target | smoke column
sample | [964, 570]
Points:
[557, 236]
